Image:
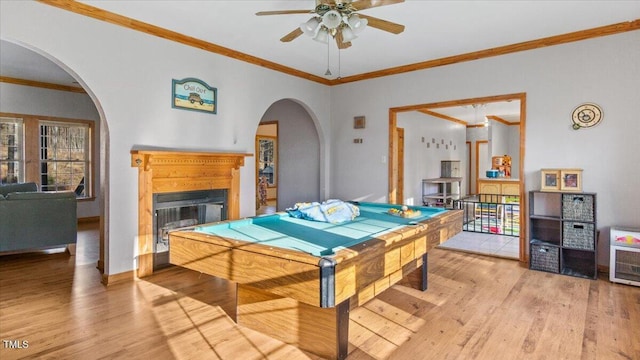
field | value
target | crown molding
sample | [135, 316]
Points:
[107, 16]
[41, 84]
[497, 51]
[103, 15]
[443, 116]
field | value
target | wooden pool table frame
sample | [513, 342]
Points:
[303, 299]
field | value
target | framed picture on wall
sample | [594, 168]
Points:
[550, 179]
[571, 179]
[359, 122]
[194, 94]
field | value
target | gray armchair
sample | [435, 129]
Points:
[31, 220]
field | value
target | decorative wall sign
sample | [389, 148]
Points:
[586, 115]
[194, 94]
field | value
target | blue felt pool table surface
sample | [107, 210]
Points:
[315, 237]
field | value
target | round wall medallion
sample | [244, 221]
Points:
[586, 115]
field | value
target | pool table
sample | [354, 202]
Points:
[297, 279]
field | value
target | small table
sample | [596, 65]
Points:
[297, 279]
[442, 197]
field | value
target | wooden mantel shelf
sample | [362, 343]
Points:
[166, 171]
[161, 157]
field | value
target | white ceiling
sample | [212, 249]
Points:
[433, 30]
[21, 63]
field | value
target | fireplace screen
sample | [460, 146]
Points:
[180, 210]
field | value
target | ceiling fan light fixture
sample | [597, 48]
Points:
[322, 35]
[311, 26]
[331, 19]
[347, 34]
[357, 24]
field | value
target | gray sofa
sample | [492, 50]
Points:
[31, 220]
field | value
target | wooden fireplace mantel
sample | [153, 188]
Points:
[161, 171]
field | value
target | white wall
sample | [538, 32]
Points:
[428, 141]
[129, 74]
[556, 79]
[28, 100]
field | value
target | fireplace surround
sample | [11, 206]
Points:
[174, 171]
[183, 209]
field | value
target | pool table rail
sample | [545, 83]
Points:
[376, 263]
[303, 299]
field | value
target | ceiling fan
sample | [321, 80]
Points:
[338, 19]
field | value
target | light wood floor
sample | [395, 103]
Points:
[476, 307]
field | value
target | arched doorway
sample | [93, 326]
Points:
[297, 174]
[35, 71]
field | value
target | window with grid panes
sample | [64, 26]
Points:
[65, 160]
[11, 150]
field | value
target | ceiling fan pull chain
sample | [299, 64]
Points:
[339, 64]
[328, 73]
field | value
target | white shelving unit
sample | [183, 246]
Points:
[441, 191]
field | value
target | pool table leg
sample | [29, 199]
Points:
[424, 283]
[321, 331]
[342, 336]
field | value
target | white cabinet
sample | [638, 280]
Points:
[624, 266]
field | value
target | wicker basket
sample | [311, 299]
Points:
[577, 235]
[578, 207]
[545, 258]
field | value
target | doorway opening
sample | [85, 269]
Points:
[396, 181]
[267, 168]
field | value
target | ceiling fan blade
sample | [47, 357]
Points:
[283, 12]
[292, 35]
[368, 4]
[383, 24]
[340, 43]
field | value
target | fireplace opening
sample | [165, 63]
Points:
[183, 209]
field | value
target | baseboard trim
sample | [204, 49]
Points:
[89, 219]
[100, 266]
[118, 278]
[603, 269]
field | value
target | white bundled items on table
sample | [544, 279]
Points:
[331, 211]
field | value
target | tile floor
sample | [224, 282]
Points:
[488, 244]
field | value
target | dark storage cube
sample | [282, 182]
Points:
[577, 235]
[579, 263]
[545, 257]
[578, 207]
[546, 230]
